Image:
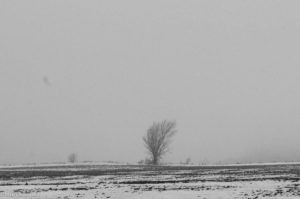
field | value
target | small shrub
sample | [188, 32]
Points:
[72, 158]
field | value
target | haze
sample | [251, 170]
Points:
[91, 76]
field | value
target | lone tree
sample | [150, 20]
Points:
[72, 158]
[158, 138]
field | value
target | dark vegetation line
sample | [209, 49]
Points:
[57, 171]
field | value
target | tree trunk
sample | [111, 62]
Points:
[155, 160]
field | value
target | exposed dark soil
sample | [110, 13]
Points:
[61, 171]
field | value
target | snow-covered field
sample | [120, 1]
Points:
[117, 181]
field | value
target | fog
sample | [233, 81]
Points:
[90, 77]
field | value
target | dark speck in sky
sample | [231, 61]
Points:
[46, 81]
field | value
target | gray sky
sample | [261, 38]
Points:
[91, 76]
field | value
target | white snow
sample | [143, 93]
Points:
[204, 184]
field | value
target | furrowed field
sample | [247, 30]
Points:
[131, 181]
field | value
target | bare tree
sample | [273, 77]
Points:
[72, 158]
[157, 139]
[188, 161]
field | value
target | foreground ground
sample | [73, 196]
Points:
[107, 181]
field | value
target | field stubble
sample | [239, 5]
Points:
[131, 181]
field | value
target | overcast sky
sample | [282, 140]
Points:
[91, 76]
